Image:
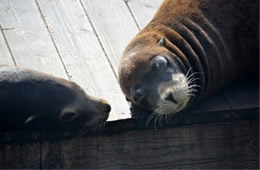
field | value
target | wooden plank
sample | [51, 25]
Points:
[17, 156]
[114, 25]
[52, 153]
[242, 95]
[144, 10]
[82, 53]
[227, 145]
[5, 55]
[29, 38]
[236, 96]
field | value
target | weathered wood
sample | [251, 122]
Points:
[242, 95]
[29, 38]
[82, 54]
[14, 156]
[228, 145]
[144, 10]
[235, 96]
[223, 145]
[114, 25]
[5, 54]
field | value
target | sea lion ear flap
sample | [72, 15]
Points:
[67, 115]
[162, 42]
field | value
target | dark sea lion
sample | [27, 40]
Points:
[190, 49]
[35, 100]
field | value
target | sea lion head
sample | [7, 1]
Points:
[85, 110]
[153, 78]
[74, 109]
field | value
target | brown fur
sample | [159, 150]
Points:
[217, 38]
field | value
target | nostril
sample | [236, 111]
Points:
[171, 98]
[107, 108]
[138, 94]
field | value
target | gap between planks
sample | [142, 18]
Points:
[7, 45]
[52, 37]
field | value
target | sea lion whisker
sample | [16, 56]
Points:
[155, 120]
[82, 132]
[191, 75]
[191, 80]
[188, 71]
[194, 85]
[192, 90]
[150, 118]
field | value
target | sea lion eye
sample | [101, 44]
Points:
[160, 62]
[67, 115]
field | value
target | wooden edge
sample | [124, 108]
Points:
[122, 126]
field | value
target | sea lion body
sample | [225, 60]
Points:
[205, 43]
[31, 99]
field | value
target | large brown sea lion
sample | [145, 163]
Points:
[35, 100]
[190, 49]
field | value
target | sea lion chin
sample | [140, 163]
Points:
[189, 50]
[30, 99]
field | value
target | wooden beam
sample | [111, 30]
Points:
[218, 145]
[18, 155]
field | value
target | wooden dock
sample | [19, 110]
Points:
[82, 40]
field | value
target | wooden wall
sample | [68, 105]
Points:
[218, 145]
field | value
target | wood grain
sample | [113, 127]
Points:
[29, 38]
[228, 145]
[114, 25]
[144, 10]
[82, 54]
[17, 156]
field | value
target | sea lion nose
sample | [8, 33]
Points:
[171, 98]
[138, 94]
[107, 108]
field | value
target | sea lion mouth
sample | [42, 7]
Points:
[174, 97]
[171, 98]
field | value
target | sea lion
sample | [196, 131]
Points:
[36, 100]
[190, 49]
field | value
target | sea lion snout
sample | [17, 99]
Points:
[138, 94]
[107, 108]
[104, 107]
